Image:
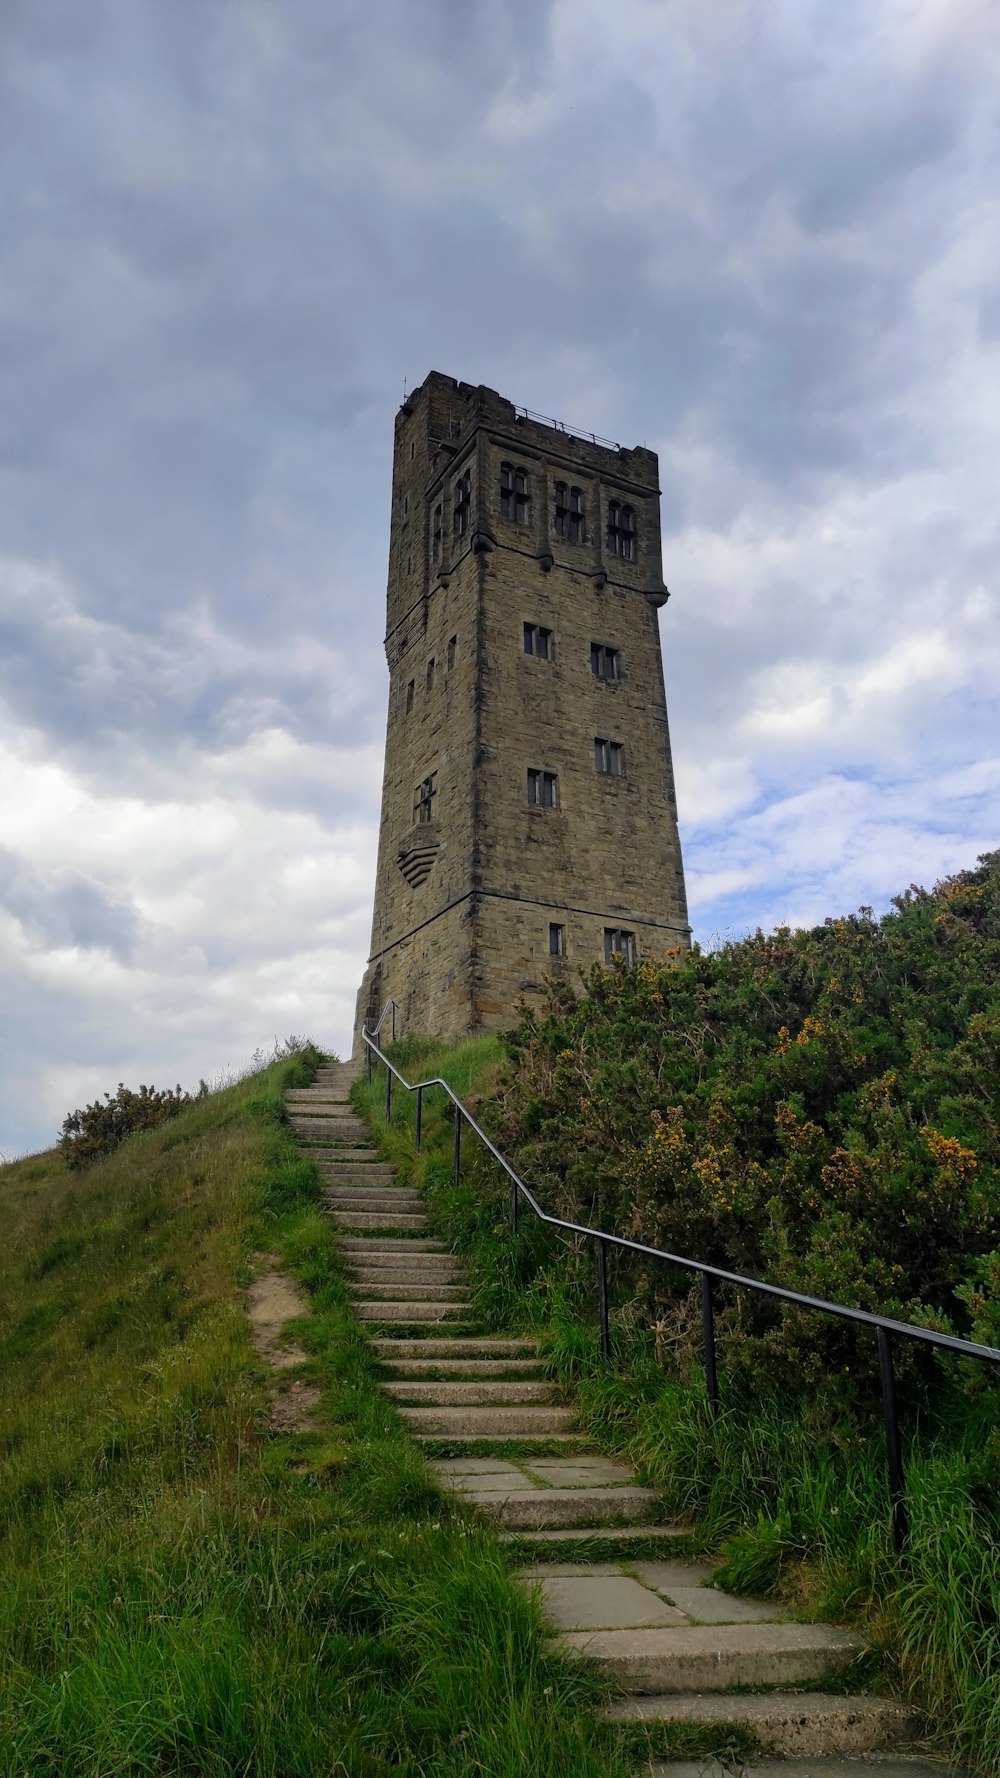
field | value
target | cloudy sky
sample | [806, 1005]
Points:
[760, 236]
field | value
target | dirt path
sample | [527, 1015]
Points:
[273, 1300]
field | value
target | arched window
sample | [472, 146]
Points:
[575, 516]
[621, 531]
[436, 535]
[463, 503]
[569, 513]
[514, 500]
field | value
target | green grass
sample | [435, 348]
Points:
[799, 1505]
[184, 1591]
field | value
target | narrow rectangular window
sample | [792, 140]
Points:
[608, 757]
[409, 695]
[538, 641]
[541, 789]
[423, 799]
[462, 504]
[430, 674]
[436, 535]
[452, 652]
[605, 662]
[557, 940]
[618, 944]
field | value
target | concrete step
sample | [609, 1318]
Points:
[462, 1367]
[472, 1423]
[481, 1445]
[787, 1723]
[348, 1154]
[885, 1765]
[484, 1348]
[471, 1394]
[409, 1292]
[402, 1275]
[568, 1507]
[347, 1217]
[355, 1245]
[347, 1172]
[549, 1543]
[349, 1136]
[412, 1312]
[715, 1657]
[373, 1197]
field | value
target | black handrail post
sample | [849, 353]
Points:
[602, 1294]
[458, 1145]
[368, 1052]
[419, 1126]
[393, 1022]
[893, 1448]
[708, 1340]
[388, 1092]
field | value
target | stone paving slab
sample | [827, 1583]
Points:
[488, 1481]
[706, 1606]
[587, 1601]
[661, 1576]
[581, 1472]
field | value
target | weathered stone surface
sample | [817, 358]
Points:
[464, 901]
[589, 1601]
[472, 1394]
[468, 1423]
[716, 1657]
[789, 1722]
[573, 1507]
[889, 1767]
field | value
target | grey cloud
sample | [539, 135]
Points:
[61, 907]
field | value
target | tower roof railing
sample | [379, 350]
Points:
[610, 444]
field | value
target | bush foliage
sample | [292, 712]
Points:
[815, 1108]
[96, 1131]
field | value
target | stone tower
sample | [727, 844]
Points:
[529, 824]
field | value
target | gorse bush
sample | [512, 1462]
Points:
[814, 1108]
[96, 1131]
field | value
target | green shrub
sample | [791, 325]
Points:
[96, 1131]
[815, 1108]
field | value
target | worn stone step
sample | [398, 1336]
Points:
[462, 1367]
[410, 1311]
[409, 1292]
[569, 1507]
[525, 1443]
[468, 1394]
[550, 1543]
[486, 1347]
[330, 1130]
[341, 1173]
[401, 1276]
[373, 1197]
[715, 1657]
[884, 1765]
[472, 1423]
[786, 1723]
[347, 1217]
[348, 1154]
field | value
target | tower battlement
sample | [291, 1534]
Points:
[528, 823]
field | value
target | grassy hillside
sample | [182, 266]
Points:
[821, 1108]
[183, 1590]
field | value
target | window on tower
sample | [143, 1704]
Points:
[514, 498]
[621, 531]
[569, 513]
[452, 652]
[609, 757]
[557, 940]
[423, 798]
[542, 789]
[618, 944]
[436, 535]
[430, 674]
[463, 503]
[539, 642]
[605, 662]
[409, 696]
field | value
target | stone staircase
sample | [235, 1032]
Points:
[616, 1586]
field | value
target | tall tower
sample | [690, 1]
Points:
[529, 823]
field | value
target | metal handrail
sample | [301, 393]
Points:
[885, 1325]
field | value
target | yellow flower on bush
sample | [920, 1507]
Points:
[949, 1154]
